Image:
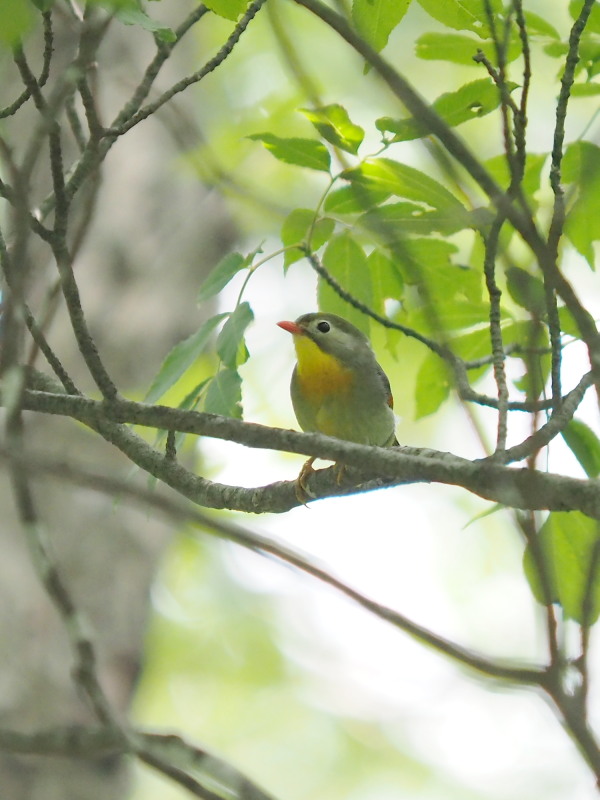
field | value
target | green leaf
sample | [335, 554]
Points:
[224, 395]
[134, 15]
[300, 152]
[386, 279]
[498, 168]
[296, 228]
[593, 23]
[394, 222]
[473, 100]
[581, 166]
[399, 179]
[334, 125]
[353, 198]
[181, 358]
[456, 48]
[567, 323]
[585, 446]
[376, 19]
[346, 262]
[43, 5]
[16, 19]
[230, 341]
[585, 89]
[566, 541]
[463, 15]
[539, 26]
[220, 275]
[432, 387]
[230, 9]
[527, 291]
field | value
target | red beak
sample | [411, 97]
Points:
[292, 328]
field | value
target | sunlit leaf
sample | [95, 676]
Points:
[230, 341]
[593, 23]
[220, 275]
[464, 14]
[132, 14]
[334, 125]
[376, 19]
[181, 358]
[585, 446]
[346, 262]
[386, 279]
[300, 152]
[566, 542]
[404, 181]
[585, 89]
[296, 228]
[497, 166]
[230, 9]
[224, 395]
[581, 166]
[432, 387]
[473, 100]
[16, 20]
[353, 198]
[538, 26]
[455, 48]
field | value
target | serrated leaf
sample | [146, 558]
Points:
[346, 262]
[394, 222]
[386, 279]
[527, 291]
[308, 153]
[230, 341]
[334, 125]
[352, 199]
[581, 166]
[453, 47]
[220, 275]
[386, 175]
[585, 446]
[224, 395]
[229, 9]
[432, 387]
[296, 228]
[376, 19]
[464, 15]
[181, 358]
[134, 15]
[566, 541]
[473, 100]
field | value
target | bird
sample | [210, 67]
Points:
[337, 386]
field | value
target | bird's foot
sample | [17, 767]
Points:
[303, 493]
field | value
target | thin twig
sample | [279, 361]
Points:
[118, 130]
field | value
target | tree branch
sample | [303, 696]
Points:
[516, 488]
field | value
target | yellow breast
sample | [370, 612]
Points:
[319, 374]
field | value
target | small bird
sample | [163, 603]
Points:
[337, 387]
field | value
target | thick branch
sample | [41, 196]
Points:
[516, 488]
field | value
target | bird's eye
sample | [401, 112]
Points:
[323, 326]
